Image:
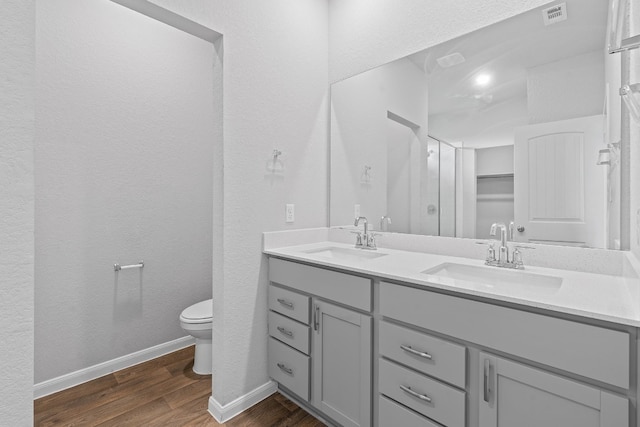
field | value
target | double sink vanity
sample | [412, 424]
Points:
[410, 329]
[394, 337]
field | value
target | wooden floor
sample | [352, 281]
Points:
[161, 392]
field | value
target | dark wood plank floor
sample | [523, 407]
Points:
[160, 392]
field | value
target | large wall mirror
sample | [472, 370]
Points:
[516, 122]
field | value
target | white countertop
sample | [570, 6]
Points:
[596, 296]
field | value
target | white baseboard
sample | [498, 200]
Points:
[96, 371]
[223, 413]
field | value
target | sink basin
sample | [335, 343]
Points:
[344, 254]
[499, 279]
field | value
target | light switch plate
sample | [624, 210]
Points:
[356, 211]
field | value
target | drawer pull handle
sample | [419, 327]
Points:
[414, 394]
[285, 302]
[283, 331]
[487, 390]
[284, 368]
[408, 349]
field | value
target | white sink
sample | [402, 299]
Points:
[498, 279]
[344, 254]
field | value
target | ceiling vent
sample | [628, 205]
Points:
[450, 60]
[554, 14]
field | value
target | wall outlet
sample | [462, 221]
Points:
[289, 214]
[356, 211]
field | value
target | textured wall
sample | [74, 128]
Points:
[124, 158]
[16, 212]
[275, 96]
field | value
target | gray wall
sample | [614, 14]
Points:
[16, 212]
[124, 163]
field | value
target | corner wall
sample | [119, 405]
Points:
[275, 84]
[17, 47]
[275, 97]
[124, 163]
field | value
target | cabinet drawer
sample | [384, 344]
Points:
[433, 356]
[289, 367]
[289, 331]
[446, 405]
[594, 352]
[347, 289]
[289, 303]
[392, 414]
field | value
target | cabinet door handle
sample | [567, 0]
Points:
[286, 332]
[285, 302]
[408, 349]
[284, 368]
[316, 318]
[414, 394]
[487, 390]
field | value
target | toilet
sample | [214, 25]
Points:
[196, 321]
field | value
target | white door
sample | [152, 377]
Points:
[341, 358]
[512, 394]
[559, 191]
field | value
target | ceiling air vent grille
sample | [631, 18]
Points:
[555, 13]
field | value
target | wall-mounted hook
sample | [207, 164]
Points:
[275, 164]
[365, 178]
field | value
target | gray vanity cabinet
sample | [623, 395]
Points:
[436, 356]
[515, 394]
[341, 379]
[289, 347]
[339, 350]
[507, 392]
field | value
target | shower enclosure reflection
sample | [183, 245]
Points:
[436, 195]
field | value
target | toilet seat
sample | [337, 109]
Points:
[201, 312]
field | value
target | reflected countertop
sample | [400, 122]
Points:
[611, 298]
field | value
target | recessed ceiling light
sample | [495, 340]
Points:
[483, 79]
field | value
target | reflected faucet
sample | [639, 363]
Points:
[385, 222]
[364, 219]
[503, 251]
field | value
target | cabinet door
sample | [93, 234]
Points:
[512, 394]
[341, 357]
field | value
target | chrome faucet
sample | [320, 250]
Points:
[502, 256]
[503, 250]
[365, 240]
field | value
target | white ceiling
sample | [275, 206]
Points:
[505, 51]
